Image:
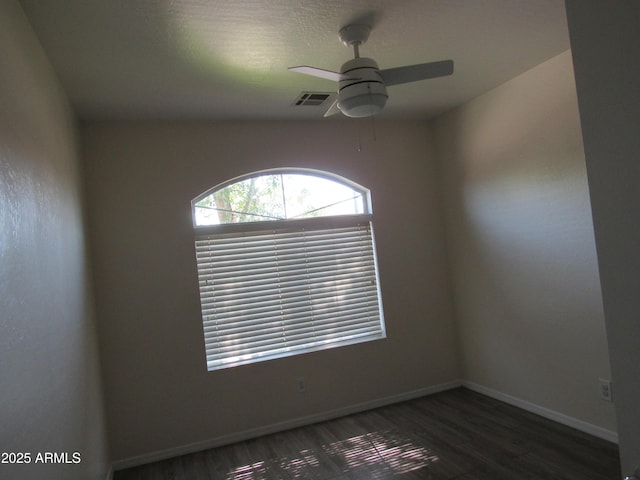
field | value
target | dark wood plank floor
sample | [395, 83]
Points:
[458, 434]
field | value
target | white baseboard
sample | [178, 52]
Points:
[544, 412]
[281, 426]
[361, 407]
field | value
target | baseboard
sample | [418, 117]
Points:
[281, 426]
[572, 422]
[357, 408]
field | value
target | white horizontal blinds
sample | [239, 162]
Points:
[268, 294]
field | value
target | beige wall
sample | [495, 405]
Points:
[141, 178]
[606, 54]
[50, 396]
[527, 295]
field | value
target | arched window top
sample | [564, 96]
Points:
[280, 194]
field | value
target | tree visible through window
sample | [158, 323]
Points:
[278, 196]
[286, 265]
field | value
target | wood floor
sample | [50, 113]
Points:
[458, 434]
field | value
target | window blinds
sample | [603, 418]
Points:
[279, 292]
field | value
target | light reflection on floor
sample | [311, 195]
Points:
[389, 451]
[401, 454]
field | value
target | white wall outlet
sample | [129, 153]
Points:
[605, 390]
[301, 384]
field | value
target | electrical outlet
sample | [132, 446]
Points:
[301, 384]
[605, 390]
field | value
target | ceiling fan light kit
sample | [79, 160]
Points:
[361, 91]
[362, 86]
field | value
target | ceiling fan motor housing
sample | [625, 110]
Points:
[362, 91]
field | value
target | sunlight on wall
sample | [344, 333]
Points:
[536, 220]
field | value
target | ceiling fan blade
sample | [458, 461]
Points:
[333, 109]
[413, 73]
[317, 72]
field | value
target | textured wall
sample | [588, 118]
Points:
[140, 181]
[50, 397]
[527, 291]
[606, 51]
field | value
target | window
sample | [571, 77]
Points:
[286, 265]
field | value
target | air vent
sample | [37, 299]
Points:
[313, 99]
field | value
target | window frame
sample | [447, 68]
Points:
[312, 224]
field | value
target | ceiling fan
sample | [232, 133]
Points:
[362, 90]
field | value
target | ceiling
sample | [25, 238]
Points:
[228, 59]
